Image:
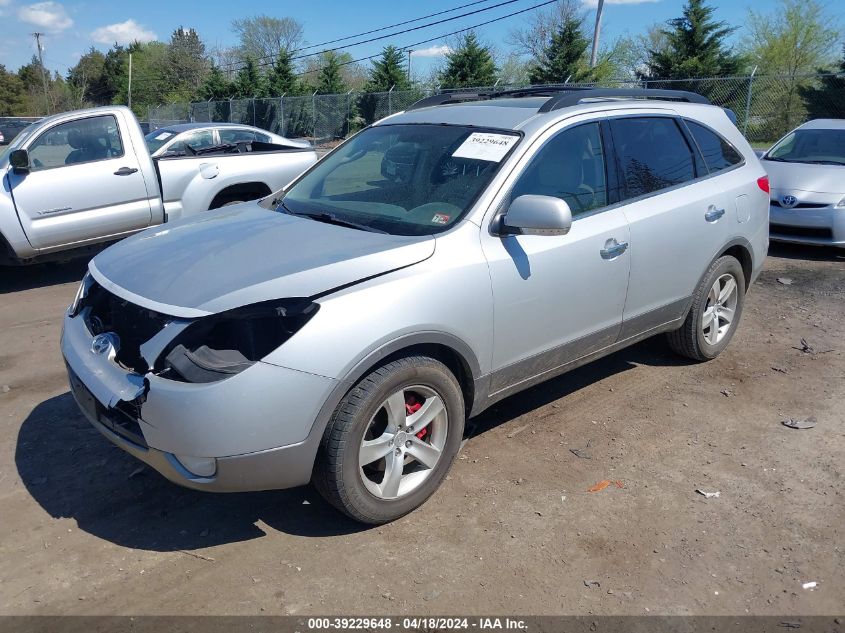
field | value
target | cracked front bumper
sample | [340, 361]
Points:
[256, 426]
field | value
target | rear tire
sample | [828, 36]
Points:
[367, 465]
[715, 312]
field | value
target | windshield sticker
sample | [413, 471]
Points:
[440, 218]
[163, 136]
[486, 146]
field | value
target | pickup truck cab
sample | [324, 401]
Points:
[77, 179]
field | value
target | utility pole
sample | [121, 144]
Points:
[129, 96]
[595, 54]
[409, 64]
[43, 74]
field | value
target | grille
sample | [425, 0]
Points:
[801, 205]
[133, 324]
[801, 231]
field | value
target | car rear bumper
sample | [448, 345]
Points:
[249, 432]
[824, 226]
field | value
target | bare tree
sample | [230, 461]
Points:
[532, 39]
[262, 36]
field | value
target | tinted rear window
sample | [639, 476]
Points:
[718, 153]
[653, 154]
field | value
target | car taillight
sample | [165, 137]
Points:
[763, 183]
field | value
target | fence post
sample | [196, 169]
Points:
[348, 113]
[282, 129]
[390, 99]
[748, 102]
[314, 115]
[230, 108]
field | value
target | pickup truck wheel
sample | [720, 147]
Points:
[391, 440]
[716, 309]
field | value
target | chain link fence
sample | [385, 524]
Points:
[766, 106]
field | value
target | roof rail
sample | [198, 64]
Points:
[571, 98]
[562, 96]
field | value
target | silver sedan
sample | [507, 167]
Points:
[807, 173]
[173, 139]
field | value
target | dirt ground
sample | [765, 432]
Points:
[513, 530]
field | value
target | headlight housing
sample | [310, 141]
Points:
[81, 293]
[221, 345]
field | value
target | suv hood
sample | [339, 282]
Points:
[805, 177]
[244, 254]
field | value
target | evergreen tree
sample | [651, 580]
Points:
[388, 71]
[470, 64]
[12, 94]
[187, 63]
[696, 46]
[249, 82]
[564, 57]
[826, 101]
[330, 80]
[215, 87]
[282, 79]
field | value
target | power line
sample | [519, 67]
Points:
[263, 61]
[439, 37]
[390, 26]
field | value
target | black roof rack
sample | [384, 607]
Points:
[562, 96]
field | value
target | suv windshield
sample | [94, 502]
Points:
[825, 147]
[416, 179]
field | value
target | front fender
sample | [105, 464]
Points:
[10, 226]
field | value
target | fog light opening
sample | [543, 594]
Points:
[198, 466]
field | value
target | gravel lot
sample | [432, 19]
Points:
[513, 530]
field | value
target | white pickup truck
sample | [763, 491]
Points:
[75, 180]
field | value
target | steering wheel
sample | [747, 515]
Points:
[37, 163]
[113, 152]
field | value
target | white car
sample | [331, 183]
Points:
[807, 173]
[173, 139]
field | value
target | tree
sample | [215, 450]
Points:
[187, 63]
[468, 64]
[282, 80]
[263, 37]
[13, 100]
[329, 79]
[388, 71]
[87, 79]
[215, 87]
[514, 71]
[824, 101]
[564, 57]
[696, 46]
[793, 41]
[249, 82]
[532, 40]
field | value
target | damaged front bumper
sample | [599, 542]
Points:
[252, 431]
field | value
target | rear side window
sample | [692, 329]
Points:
[229, 135]
[718, 153]
[653, 154]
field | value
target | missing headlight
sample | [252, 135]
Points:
[216, 347]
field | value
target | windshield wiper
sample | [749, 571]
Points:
[823, 162]
[329, 218]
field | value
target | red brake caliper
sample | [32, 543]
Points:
[412, 405]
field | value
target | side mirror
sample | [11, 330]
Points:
[19, 160]
[537, 215]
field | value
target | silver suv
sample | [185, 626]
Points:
[342, 330]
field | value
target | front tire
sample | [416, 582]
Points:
[715, 312]
[391, 440]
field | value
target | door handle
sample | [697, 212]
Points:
[713, 214]
[613, 249]
[125, 171]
